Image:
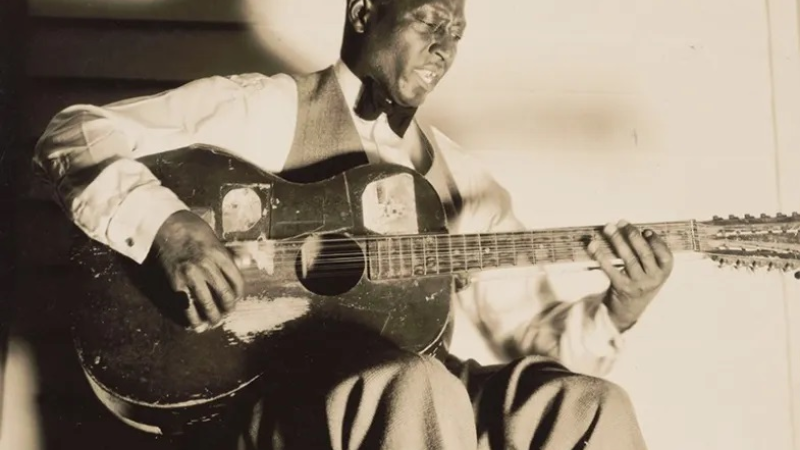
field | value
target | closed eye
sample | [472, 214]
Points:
[437, 27]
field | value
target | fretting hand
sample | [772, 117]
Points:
[647, 263]
[196, 263]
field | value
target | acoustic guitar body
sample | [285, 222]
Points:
[304, 251]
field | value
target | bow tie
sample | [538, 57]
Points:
[374, 100]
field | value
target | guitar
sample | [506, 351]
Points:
[368, 248]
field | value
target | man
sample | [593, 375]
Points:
[288, 124]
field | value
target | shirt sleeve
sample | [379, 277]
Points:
[89, 153]
[516, 309]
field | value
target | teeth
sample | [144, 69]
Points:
[427, 75]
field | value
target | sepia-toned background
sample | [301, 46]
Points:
[586, 111]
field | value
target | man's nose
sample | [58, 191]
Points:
[445, 46]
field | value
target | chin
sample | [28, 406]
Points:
[413, 101]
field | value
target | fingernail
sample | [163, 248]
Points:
[648, 233]
[610, 228]
[200, 328]
[622, 223]
[593, 246]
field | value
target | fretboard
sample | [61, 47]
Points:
[407, 256]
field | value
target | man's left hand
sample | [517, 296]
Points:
[647, 264]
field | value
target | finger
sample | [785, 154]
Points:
[623, 250]
[202, 295]
[189, 309]
[233, 275]
[661, 251]
[603, 258]
[222, 290]
[195, 321]
[640, 246]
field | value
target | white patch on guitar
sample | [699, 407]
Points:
[255, 316]
[207, 214]
[260, 252]
[389, 205]
[241, 210]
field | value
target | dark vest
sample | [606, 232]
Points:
[326, 142]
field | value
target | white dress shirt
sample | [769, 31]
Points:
[253, 116]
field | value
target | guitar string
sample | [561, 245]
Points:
[565, 235]
[358, 259]
[664, 228]
[458, 250]
[469, 244]
[459, 247]
[462, 251]
[359, 265]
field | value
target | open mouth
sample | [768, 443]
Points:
[428, 77]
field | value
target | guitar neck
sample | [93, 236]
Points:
[401, 256]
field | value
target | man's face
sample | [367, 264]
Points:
[410, 45]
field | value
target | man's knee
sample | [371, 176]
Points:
[596, 392]
[414, 370]
[543, 384]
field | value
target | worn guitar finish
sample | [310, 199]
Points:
[152, 372]
[367, 249]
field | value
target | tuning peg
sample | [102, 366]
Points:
[780, 215]
[748, 217]
[732, 217]
[795, 215]
[764, 216]
[716, 218]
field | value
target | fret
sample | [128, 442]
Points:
[472, 252]
[408, 256]
[401, 254]
[389, 254]
[542, 250]
[445, 254]
[418, 256]
[506, 250]
[488, 247]
[381, 252]
[373, 259]
[458, 262]
[565, 242]
[526, 242]
[431, 251]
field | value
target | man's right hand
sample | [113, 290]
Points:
[197, 263]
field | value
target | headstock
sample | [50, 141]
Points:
[771, 242]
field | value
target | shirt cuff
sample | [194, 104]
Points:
[133, 228]
[602, 338]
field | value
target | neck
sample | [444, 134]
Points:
[405, 256]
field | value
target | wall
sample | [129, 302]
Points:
[586, 112]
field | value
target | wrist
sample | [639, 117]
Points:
[135, 225]
[620, 316]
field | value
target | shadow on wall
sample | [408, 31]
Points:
[299, 35]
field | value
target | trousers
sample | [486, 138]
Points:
[360, 395]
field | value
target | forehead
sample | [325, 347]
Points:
[453, 9]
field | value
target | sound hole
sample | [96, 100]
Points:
[330, 265]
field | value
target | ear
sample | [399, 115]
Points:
[358, 13]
